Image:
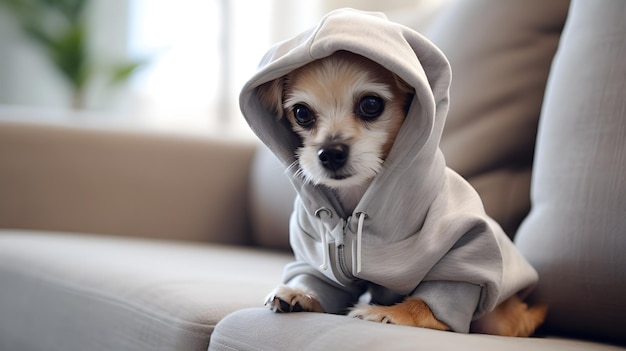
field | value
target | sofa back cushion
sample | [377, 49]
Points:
[107, 181]
[500, 53]
[271, 201]
[575, 235]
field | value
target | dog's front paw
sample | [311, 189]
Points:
[372, 313]
[287, 299]
[412, 312]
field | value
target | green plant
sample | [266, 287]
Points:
[60, 29]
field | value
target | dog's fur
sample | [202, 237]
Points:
[347, 111]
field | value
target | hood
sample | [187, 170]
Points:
[399, 49]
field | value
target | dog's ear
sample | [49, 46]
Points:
[407, 90]
[402, 85]
[271, 96]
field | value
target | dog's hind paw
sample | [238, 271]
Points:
[287, 299]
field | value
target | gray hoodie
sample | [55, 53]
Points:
[420, 229]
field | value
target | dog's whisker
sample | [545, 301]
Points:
[293, 167]
[298, 172]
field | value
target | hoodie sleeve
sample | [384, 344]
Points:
[452, 303]
[333, 297]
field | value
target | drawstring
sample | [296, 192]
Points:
[326, 260]
[326, 253]
[359, 236]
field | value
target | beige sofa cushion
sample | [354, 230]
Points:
[575, 235]
[500, 53]
[123, 183]
[258, 329]
[86, 292]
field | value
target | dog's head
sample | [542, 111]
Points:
[347, 111]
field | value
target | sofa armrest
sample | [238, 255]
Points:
[123, 183]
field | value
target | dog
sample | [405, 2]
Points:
[347, 111]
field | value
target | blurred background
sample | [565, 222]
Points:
[157, 64]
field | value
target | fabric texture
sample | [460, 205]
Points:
[500, 53]
[440, 234]
[86, 292]
[575, 234]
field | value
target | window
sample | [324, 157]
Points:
[202, 52]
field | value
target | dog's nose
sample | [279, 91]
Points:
[333, 156]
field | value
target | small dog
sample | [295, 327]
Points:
[347, 111]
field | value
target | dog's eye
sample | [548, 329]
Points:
[370, 107]
[303, 116]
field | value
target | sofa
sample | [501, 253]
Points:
[114, 239]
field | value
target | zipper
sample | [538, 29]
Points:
[341, 255]
[356, 261]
